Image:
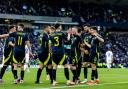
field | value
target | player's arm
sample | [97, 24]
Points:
[106, 56]
[50, 49]
[66, 36]
[99, 37]
[4, 35]
[69, 34]
[84, 50]
[81, 46]
[87, 44]
[112, 57]
[11, 42]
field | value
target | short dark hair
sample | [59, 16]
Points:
[87, 24]
[10, 27]
[22, 25]
[94, 27]
[52, 27]
[56, 26]
[79, 30]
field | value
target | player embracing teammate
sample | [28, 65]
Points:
[52, 52]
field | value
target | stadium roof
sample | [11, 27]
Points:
[118, 2]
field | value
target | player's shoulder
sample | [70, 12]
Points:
[13, 33]
[75, 35]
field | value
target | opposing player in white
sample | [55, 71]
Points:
[26, 66]
[109, 58]
[2, 63]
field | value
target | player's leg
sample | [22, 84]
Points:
[21, 59]
[41, 66]
[94, 71]
[79, 68]
[49, 67]
[73, 69]
[47, 74]
[15, 73]
[64, 63]
[97, 77]
[55, 62]
[26, 66]
[66, 72]
[50, 72]
[54, 75]
[108, 63]
[93, 60]
[85, 64]
[2, 71]
[21, 72]
[12, 68]
[15, 62]
[7, 60]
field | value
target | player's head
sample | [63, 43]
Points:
[69, 30]
[12, 29]
[86, 27]
[47, 29]
[52, 29]
[76, 30]
[20, 27]
[58, 27]
[93, 29]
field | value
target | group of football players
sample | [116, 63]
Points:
[73, 49]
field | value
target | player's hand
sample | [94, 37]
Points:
[95, 34]
[31, 55]
[85, 42]
[86, 52]
[82, 49]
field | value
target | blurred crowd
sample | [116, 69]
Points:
[89, 12]
[34, 7]
[117, 42]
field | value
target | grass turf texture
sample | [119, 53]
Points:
[112, 79]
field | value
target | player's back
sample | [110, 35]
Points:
[26, 50]
[75, 41]
[20, 38]
[86, 37]
[109, 55]
[95, 43]
[57, 40]
[44, 42]
[6, 46]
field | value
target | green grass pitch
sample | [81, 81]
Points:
[112, 79]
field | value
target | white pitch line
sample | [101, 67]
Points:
[61, 87]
